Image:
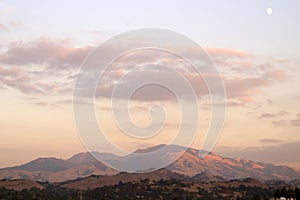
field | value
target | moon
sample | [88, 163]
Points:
[269, 11]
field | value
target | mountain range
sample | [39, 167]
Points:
[189, 164]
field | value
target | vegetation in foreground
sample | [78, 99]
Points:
[145, 189]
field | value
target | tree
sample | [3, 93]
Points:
[256, 197]
[297, 193]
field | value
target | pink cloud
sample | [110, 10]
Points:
[222, 52]
[243, 77]
[22, 80]
[241, 89]
[277, 74]
[246, 87]
[57, 53]
[3, 27]
[273, 115]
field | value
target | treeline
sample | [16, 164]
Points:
[48, 193]
[126, 191]
[288, 193]
[149, 190]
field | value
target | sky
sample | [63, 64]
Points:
[43, 45]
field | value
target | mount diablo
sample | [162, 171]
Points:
[189, 164]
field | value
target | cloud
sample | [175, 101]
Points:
[277, 74]
[281, 61]
[279, 122]
[240, 91]
[243, 76]
[3, 27]
[241, 86]
[269, 140]
[41, 66]
[233, 61]
[175, 82]
[14, 23]
[273, 115]
[9, 26]
[41, 103]
[234, 103]
[17, 78]
[296, 122]
[282, 153]
[55, 53]
[20, 79]
[244, 87]
[248, 87]
[293, 122]
[226, 53]
[6, 10]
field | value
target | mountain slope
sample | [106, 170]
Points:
[44, 164]
[84, 165]
[190, 164]
[57, 170]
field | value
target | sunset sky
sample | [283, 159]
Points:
[43, 45]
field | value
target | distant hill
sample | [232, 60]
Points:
[202, 180]
[57, 170]
[207, 178]
[19, 184]
[124, 177]
[190, 164]
[44, 164]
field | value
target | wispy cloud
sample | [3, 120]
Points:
[9, 26]
[296, 121]
[284, 122]
[227, 53]
[286, 152]
[22, 80]
[269, 140]
[279, 122]
[273, 115]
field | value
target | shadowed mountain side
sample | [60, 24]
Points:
[44, 164]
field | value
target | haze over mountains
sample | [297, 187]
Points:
[189, 164]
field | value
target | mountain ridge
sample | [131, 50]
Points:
[189, 164]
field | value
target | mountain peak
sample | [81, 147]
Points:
[50, 164]
[150, 149]
[212, 166]
[82, 158]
